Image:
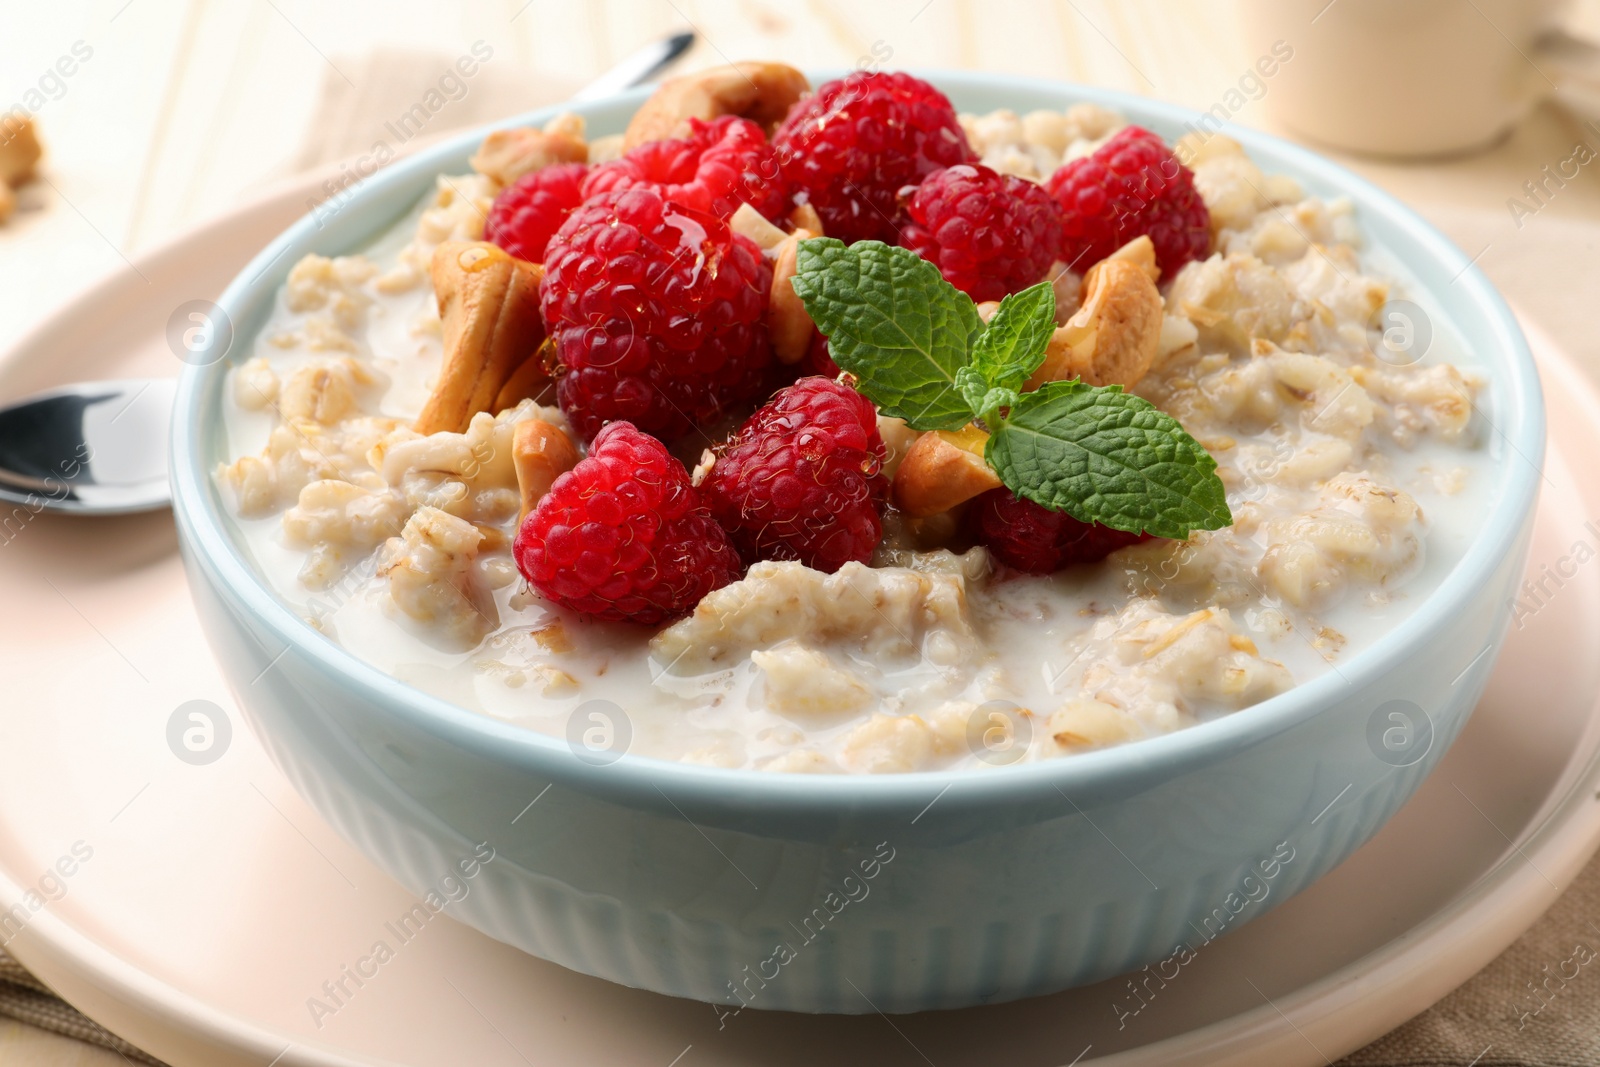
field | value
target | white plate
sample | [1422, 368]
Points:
[215, 904]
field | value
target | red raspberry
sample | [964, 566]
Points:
[1035, 540]
[1131, 185]
[989, 234]
[802, 479]
[532, 208]
[849, 149]
[655, 313]
[720, 165]
[622, 536]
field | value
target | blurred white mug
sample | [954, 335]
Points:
[1415, 77]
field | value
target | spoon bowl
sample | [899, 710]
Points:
[94, 448]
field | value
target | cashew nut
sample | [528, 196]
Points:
[748, 222]
[507, 155]
[605, 149]
[805, 217]
[1113, 336]
[761, 92]
[943, 469]
[530, 381]
[489, 304]
[788, 323]
[541, 452]
[1141, 251]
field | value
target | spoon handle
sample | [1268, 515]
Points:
[638, 68]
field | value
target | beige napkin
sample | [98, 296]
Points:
[26, 999]
[1497, 1019]
[1537, 1005]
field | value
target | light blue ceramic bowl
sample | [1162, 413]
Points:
[985, 887]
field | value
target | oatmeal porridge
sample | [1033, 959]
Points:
[407, 410]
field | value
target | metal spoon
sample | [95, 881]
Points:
[638, 68]
[100, 448]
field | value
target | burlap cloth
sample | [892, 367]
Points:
[26, 999]
[1537, 1005]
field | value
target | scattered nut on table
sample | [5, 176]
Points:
[19, 153]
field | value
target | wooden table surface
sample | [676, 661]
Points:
[183, 107]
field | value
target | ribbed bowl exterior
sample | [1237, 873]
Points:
[964, 907]
[839, 894]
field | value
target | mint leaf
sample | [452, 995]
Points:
[1102, 455]
[1013, 345]
[894, 322]
[984, 399]
[973, 386]
[999, 397]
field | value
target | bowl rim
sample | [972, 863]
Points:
[203, 528]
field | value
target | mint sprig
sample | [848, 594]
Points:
[893, 319]
[920, 352]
